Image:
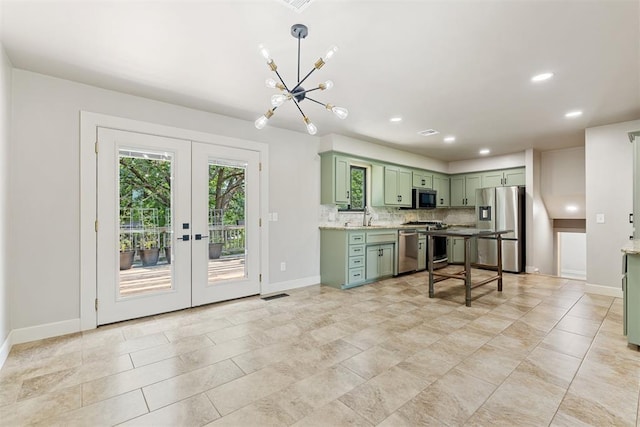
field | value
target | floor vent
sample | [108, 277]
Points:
[269, 298]
[297, 5]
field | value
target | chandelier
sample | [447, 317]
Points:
[297, 94]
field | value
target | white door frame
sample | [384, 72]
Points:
[89, 124]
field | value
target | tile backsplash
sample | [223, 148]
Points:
[330, 216]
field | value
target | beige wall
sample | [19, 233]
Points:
[5, 125]
[562, 182]
[609, 191]
[540, 248]
[44, 195]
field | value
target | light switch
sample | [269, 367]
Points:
[274, 216]
[600, 218]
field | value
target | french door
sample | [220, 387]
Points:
[177, 224]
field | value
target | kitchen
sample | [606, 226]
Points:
[406, 240]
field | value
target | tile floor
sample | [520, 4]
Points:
[540, 353]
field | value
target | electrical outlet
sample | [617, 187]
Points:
[275, 216]
[283, 266]
[600, 218]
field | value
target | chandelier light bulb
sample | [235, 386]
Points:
[271, 83]
[341, 112]
[327, 85]
[311, 128]
[261, 122]
[332, 51]
[278, 100]
[265, 53]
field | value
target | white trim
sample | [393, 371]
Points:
[609, 291]
[47, 330]
[270, 288]
[89, 122]
[568, 273]
[5, 349]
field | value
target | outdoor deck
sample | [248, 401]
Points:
[138, 279]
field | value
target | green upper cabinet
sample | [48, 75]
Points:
[422, 179]
[335, 179]
[501, 178]
[441, 185]
[463, 189]
[391, 186]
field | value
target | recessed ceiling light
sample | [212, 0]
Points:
[541, 77]
[484, 151]
[571, 208]
[395, 119]
[450, 139]
[573, 114]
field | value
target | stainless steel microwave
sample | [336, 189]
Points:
[424, 199]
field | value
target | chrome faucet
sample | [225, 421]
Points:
[364, 217]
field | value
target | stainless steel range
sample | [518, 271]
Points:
[440, 258]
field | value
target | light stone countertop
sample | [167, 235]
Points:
[368, 227]
[386, 227]
[632, 248]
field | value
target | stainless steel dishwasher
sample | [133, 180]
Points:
[407, 251]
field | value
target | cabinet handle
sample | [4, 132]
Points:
[424, 182]
[631, 218]
[356, 275]
[347, 194]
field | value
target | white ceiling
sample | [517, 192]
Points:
[460, 67]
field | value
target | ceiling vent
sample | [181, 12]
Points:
[297, 5]
[428, 132]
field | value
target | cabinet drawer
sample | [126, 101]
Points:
[356, 275]
[355, 238]
[356, 261]
[385, 237]
[355, 250]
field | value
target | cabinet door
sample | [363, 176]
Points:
[385, 261]
[457, 250]
[391, 195]
[492, 179]
[457, 191]
[471, 184]
[404, 187]
[342, 181]
[373, 253]
[515, 177]
[422, 180]
[441, 185]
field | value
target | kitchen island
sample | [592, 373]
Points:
[467, 234]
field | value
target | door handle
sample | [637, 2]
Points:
[184, 238]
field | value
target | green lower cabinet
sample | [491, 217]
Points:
[353, 258]
[379, 261]
[455, 250]
[631, 307]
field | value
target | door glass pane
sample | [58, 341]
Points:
[145, 221]
[227, 238]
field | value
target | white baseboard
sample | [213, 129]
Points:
[290, 284]
[5, 349]
[608, 291]
[47, 330]
[531, 269]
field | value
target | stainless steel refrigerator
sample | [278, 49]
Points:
[502, 208]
